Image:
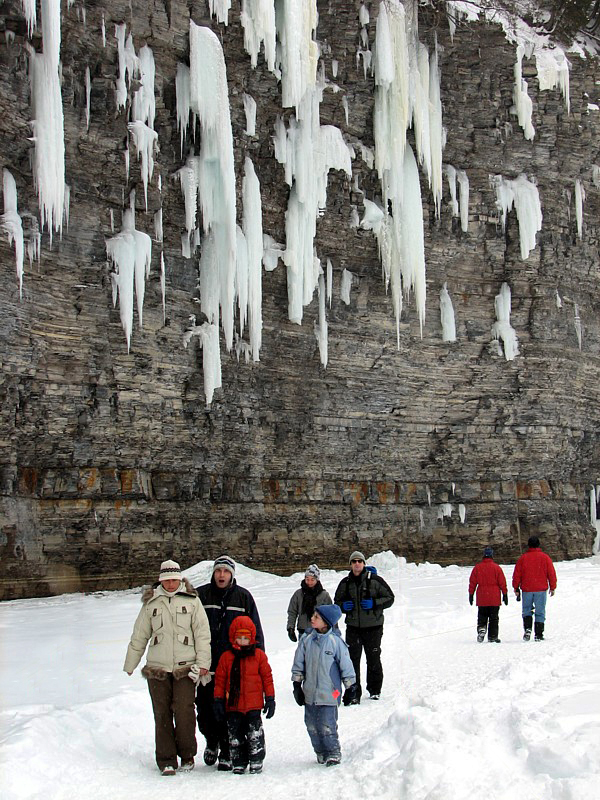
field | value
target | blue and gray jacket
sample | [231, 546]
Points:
[323, 663]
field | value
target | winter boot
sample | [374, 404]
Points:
[539, 631]
[480, 634]
[527, 624]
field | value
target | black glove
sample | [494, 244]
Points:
[269, 708]
[471, 599]
[298, 693]
[219, 709]
[350, 694]
[518, 596]
[292, 635]
[505, 599]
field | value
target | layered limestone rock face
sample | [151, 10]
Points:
[110, 458]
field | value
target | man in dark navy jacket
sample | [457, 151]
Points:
[223, 601]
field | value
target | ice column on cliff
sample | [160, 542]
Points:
[308, 151]
[253, 235]
[11, 224]
[298, 51]
[258, 21]
[321, 328]
[553, 70]
[48, 122]
[502, 329]
[522, 101]
[143, 110]
[128, 63]
[579, 200]
[209, 100]
[524, 195]
[250, 112]
[130, 251]
[447, 316]
[211, 356]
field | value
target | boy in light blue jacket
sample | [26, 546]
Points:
[321, 667]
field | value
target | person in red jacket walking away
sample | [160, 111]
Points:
[244, 688]
[534, 574]
[489, 581]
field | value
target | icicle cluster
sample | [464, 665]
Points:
[524, 195]
[502, 331]
[11, 224]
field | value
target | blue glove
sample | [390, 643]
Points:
[371, 569]
[219, 709]
[269, 708]
[347, 605]
[366, 603]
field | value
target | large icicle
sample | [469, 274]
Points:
[11, 225]
[296, 22]
[447, 316]
[524, 195]
[142, 112]
[553, 70]
[128, 63]
[321, 328]
[579, 200]
[258, 21]
[253, 232]
[209, 99]
[522, 101]
[30, 11]
[48, 121]
[211, 356]
[308, 150]
[130, 251]
[502, 329]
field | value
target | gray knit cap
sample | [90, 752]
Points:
[313, 571]
[224, 562]
[357, 555]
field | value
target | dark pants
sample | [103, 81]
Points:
[487, 619]
[370, 640]
[321, 724]
[174, 719]
[246, 738]
[214, 732]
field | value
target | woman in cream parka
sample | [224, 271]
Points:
[173, 625]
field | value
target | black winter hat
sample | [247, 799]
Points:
[488, 553]
[533, 541]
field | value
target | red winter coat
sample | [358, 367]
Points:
[488, 578]
[534, 572]
[256, 678]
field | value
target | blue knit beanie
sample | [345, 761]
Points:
[488, 553]
[331, 614]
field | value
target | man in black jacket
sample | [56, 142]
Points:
[363, 596]
[223, 601]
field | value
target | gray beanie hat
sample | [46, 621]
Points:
[313, 571]
[224, 562]
[357, 555]
[170, 570]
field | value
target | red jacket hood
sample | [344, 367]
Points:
[242, 623]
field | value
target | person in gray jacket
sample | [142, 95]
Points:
[304, 601]
[363, 596]
[173, 625]
[321, 667]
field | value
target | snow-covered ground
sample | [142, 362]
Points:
[456, 719]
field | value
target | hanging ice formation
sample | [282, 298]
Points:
[579, 200]
[258, 21]
[553, 70]
[163, 286]
[214, 171]
[345, 286]
[447, 316]
[11, 224]
[502, 329]
[522, 101]
[296, 23]
[578, 326]
[130, 251]
[211, 355]
[142, 111]
[321, 328]
[364, 52]
[30, 12]
[128, 63]
[462, 512]
[48, 122]
[220, 9]
[252, 247]
[460, 204]
[524, 195]
[182, 92]
[250, 112]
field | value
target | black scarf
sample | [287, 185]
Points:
[235, 676]
[309, 597]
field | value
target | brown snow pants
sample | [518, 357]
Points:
[174, 719]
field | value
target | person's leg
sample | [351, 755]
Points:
[355, 648]
[493, 623]
[481, 623]
[207, 724]
[540, 615]
[161, 694]
[238, 749]
[256, 741]
[184, 693]
[527, 611]
[371, 638]
[328, 716]
[311, 720]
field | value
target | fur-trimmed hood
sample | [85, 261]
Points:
[185, 587]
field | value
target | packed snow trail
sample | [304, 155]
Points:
[456, 719]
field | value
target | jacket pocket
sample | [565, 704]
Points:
[155, 640]
[187, 640]
[184, 620]
[156, 619]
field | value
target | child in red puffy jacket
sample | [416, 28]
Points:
[244, 688]
[489, 580]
